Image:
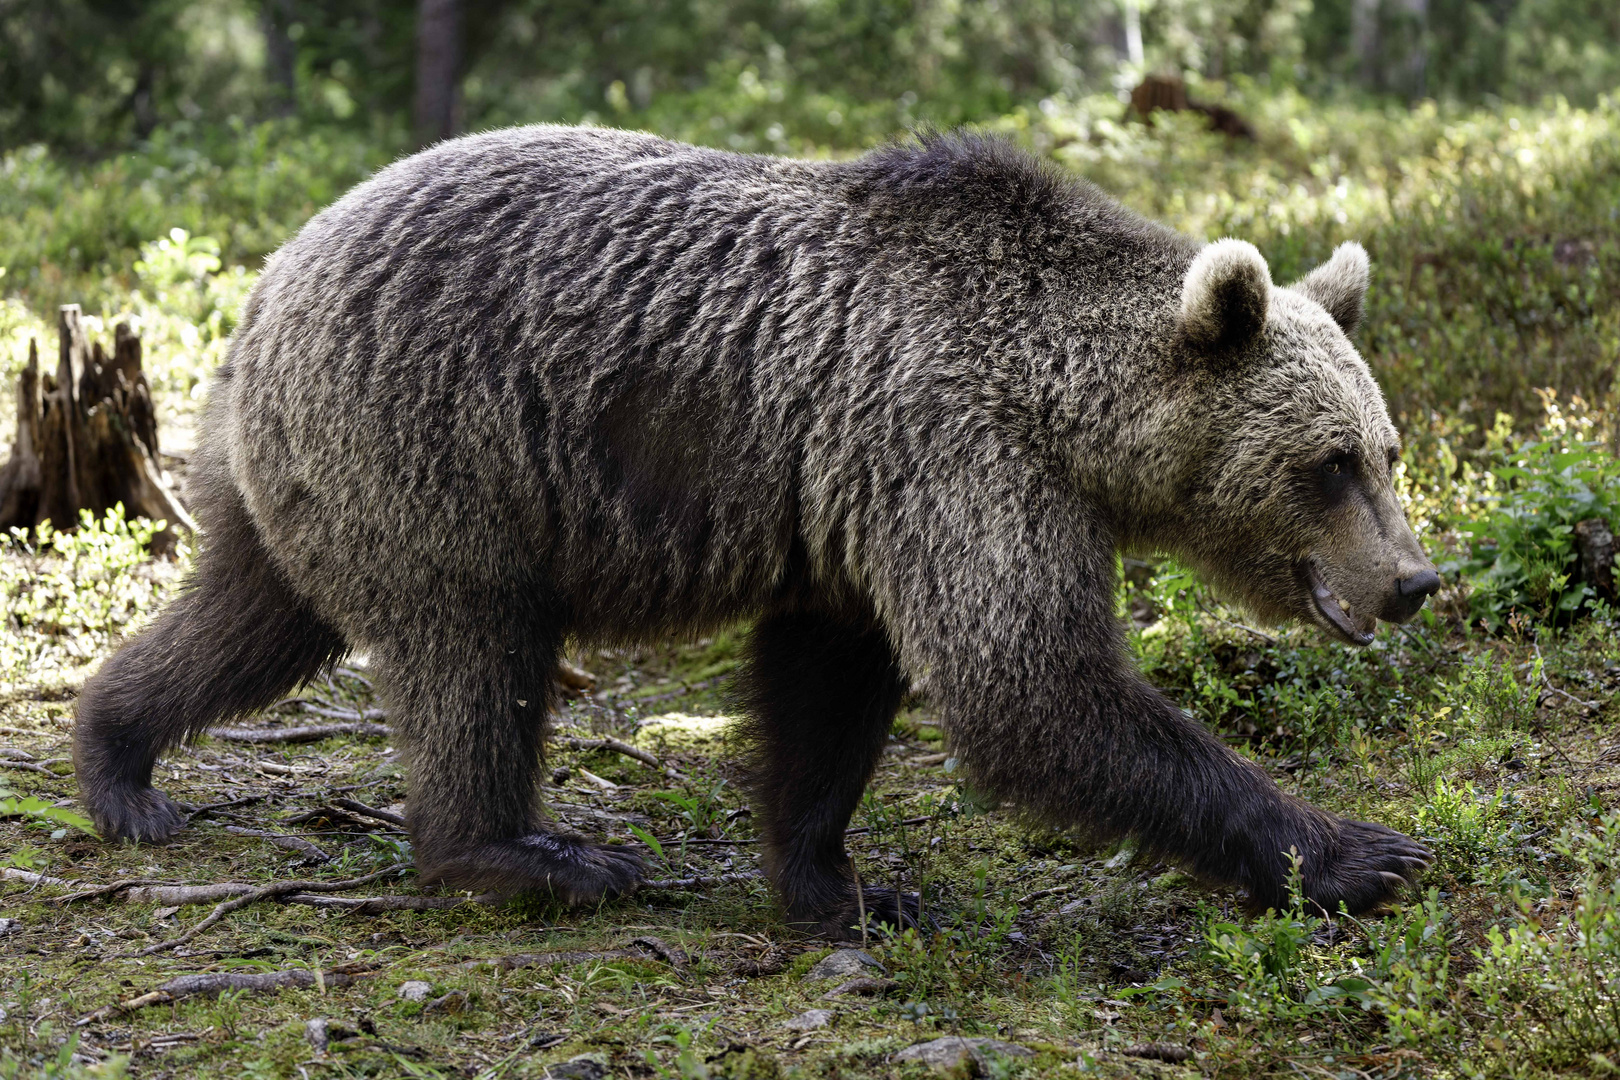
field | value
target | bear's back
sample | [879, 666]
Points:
[619, 362]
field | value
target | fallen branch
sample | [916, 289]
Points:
[12, 758]
[377, 905]
[617, 747]
[267, 892]
[148, 892]
[312, 733]
[679, 884]
[11, 873]
[370, 811]
[285, 842]
[216, 982]
[650, 948]
[1056, 890]
[211, 807]
[858, 830]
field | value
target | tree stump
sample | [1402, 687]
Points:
[86, 437]
[1169, 93]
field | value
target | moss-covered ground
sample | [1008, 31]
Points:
[1495, 755]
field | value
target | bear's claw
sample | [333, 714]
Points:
[565, 867]
[885, 909]
[142, 814]
[1367, 866]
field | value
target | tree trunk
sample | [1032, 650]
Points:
[86, 438]
[438, 69]
[281, 54]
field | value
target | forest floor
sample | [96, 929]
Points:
[1070, 959]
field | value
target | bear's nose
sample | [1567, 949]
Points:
[1410, 592]
[1423, 584]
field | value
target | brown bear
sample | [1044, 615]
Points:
[900, 412]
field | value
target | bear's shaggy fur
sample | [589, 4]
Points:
[900, 411]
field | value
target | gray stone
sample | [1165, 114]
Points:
[415, 990]
[809, 1020]
[953, 1050]
[844, 964]
[584, 1067]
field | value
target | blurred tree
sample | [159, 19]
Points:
[438, 69]
[98, 74]
[276, 19]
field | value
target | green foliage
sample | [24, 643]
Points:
[1520, 554]
[1493, 700]
[36, 811]
[1549, 987]
[1491, 231]
[74, 230]
[68, 594]
[1467, 830]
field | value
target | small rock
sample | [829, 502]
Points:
[953, 1051]
[845, 964]
[810, 1020]
[315, 1032]
[9, 926]
[862, 986]
[584, 1067]
[415, 990]
[453, 1002]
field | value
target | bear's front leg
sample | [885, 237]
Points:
[469, 686]
[821, 691]
[1016, 630]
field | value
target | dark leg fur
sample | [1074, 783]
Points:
[821, 694]
[234, 640]
[470, 695]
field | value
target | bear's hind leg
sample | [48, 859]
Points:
[470, 689]
[821, 694]
[235, 639]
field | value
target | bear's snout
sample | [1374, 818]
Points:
[1411, 590]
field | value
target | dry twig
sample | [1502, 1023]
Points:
[678, 884]
[370, 811]
[272, 891]
[312, 733]
[285, 842]
[617, 747]
[215, 982]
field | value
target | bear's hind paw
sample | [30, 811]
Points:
[564, 867]
[143, 814]
[884, 908]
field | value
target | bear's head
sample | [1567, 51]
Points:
[1290, 506]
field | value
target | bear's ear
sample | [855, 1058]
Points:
[1339, 285]
[1225, 296]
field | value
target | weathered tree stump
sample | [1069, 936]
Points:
[1595, 543]
[86, 437]
[1169, 93]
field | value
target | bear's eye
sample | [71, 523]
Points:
[1337, 465]
[1335, 473]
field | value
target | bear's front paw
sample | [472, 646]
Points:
[1365, 866]
[565, 867]
[134, 813]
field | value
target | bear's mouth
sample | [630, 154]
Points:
[1333, 610]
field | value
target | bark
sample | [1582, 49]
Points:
[438, 69]
[281, 54]
[86, 437]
